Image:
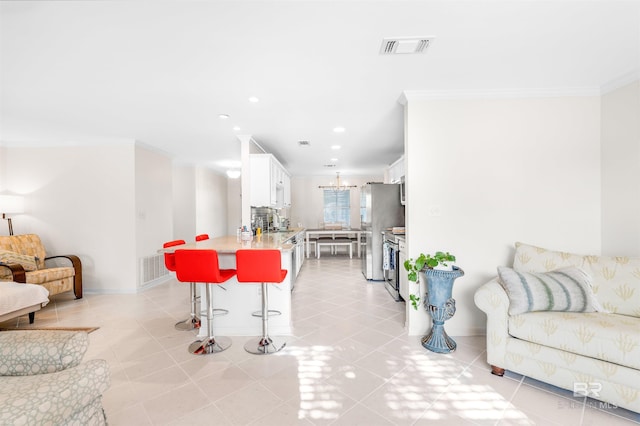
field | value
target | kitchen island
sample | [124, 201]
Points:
[242, 299]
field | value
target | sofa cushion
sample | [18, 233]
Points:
[34, 352]
[566, 289]
[69, 397]
[616, 283]
[615, 280]
[599, 335]
[530, 258]
[42, 276]
[29, 263]
[29, 244]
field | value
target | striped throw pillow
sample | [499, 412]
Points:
[566, 289]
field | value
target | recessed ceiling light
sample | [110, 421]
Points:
[254, 99]
[335, 147]
[233, 174]
[334, 160]
[223, 116]
[339, 129]
[236, 128]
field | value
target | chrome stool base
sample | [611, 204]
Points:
[264, 345]
[188, 324]
[209, 346]
[192, 323]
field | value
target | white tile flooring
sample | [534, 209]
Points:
[350, 362]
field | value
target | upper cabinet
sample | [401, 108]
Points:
[270, 182]
[286, 190]
[396, 170]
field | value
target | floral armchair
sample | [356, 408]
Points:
[23, 259]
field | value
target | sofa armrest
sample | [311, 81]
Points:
[17, 272]
[77, 267]
[492, 299]
[53, 399]
[38, 352]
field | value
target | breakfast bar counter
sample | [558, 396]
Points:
[241, 300]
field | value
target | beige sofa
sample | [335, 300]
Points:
[43, 382]
[596, 354]
[23, 259]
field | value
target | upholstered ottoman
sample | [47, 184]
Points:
[17, 299]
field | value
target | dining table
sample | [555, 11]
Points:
[333, 233]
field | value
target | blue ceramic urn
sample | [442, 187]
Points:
[441, 306]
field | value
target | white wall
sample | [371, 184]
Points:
[483, 174]
[199, 202]
[234, 205]
[153, 201]
[80, 200]
[307, 199]
[3, 168]
[621, 171]
[211, 203]
[184, 202]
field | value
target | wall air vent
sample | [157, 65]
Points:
[405, 45]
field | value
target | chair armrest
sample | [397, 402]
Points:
[493, 300]
[37, 352]
[17, 272]
[77, 267]
[53, 399]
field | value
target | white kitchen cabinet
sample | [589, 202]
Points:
[286, 180]
[396, 170]
[267, 181]
[261, 181]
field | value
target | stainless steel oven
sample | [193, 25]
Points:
[391, 265]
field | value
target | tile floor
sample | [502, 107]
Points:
[350, 362]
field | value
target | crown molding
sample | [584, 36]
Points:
[621, 81]
[415, 95]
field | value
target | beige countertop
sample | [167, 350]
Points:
[230, 244]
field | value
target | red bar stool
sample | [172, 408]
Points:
[261, 266]
[170, 258]
[193, 322]
[201, 266]
[202, 237]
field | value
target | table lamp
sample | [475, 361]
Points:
[11, 204]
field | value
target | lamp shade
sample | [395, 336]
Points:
[11, 204]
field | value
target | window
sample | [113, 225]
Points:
[337, 207]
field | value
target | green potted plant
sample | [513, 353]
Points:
[439, 260]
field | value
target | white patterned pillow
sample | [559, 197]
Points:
[566, 289]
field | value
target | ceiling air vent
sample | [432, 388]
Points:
[304, 143]
[404, 45]
[329, 165]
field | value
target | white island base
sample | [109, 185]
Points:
[243, 299]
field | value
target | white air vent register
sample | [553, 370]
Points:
[405, 45]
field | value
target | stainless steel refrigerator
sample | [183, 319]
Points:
[380, 208]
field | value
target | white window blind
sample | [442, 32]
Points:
[337, 207]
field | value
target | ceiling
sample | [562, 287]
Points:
[161, 73]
